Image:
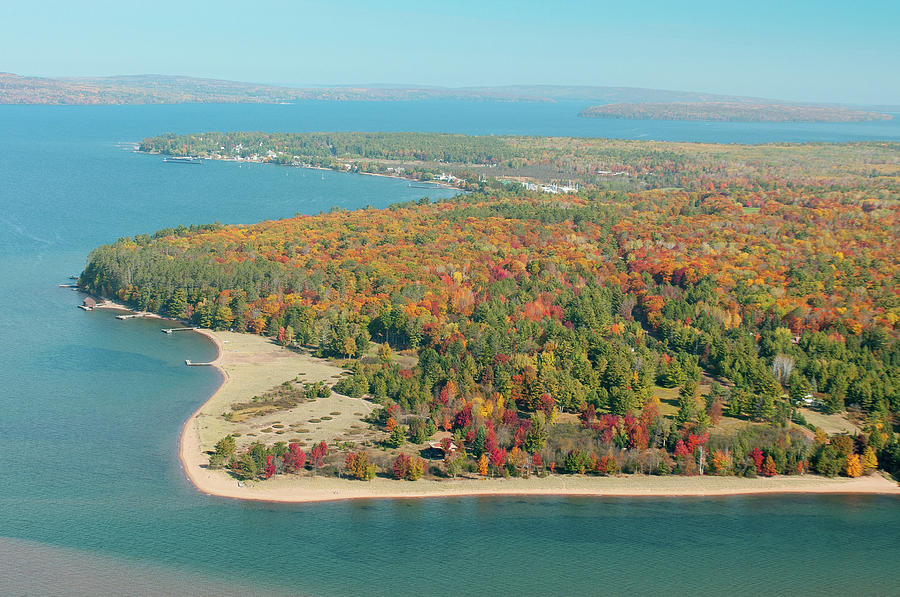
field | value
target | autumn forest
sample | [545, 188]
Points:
[676, 315]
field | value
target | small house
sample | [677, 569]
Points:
[436, 449]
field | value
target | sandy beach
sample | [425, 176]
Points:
[113, 305]
[251, 364]
[321, 489]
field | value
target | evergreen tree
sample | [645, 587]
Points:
[178, 304]
[477, 448]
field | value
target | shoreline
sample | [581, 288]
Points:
[189, 451]
[437, 185]
[291, 489]
[331, 489]
[115, 306]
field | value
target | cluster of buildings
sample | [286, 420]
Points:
[552, 188]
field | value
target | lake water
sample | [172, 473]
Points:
[93, 499]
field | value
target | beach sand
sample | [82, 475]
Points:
[252, 364]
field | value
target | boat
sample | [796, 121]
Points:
[183, 160]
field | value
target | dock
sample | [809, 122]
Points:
[170, 330]
[133, 316]
[189, 363]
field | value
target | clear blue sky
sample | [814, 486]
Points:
[795, 50]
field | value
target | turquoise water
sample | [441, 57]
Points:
[91, 408]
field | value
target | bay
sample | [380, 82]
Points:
[91, 407]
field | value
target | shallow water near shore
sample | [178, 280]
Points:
[91, 409]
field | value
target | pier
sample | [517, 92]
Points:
[134, 316]
[189, 363]
[170, 330]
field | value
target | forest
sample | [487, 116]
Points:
[538, 332]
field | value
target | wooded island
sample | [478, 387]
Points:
[732, 112]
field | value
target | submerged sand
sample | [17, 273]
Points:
[251, 365]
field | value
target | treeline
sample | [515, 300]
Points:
[605, 446]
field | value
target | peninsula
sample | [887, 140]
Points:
[474, 162]
[512, 341]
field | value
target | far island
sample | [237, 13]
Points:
[731, 112]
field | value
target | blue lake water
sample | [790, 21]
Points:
[91, 407]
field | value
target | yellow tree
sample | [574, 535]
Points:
[821, 436]
[721, 462]
[869, 461]
[483, 465]
[853, 467]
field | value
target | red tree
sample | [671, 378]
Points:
[758, 458]
[498, 457]
[318, 454]
[464, 417]
[295, 457]
[446, 443]
[490, 441]
[588, 415]
[270, 466]
[401, 466]
[547, 403]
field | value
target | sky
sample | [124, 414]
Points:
[798, 50]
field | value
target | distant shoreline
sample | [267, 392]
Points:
[733, 112]
[290, 489]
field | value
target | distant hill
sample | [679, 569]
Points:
[165, 89]
[160, 89]
[731, 112]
